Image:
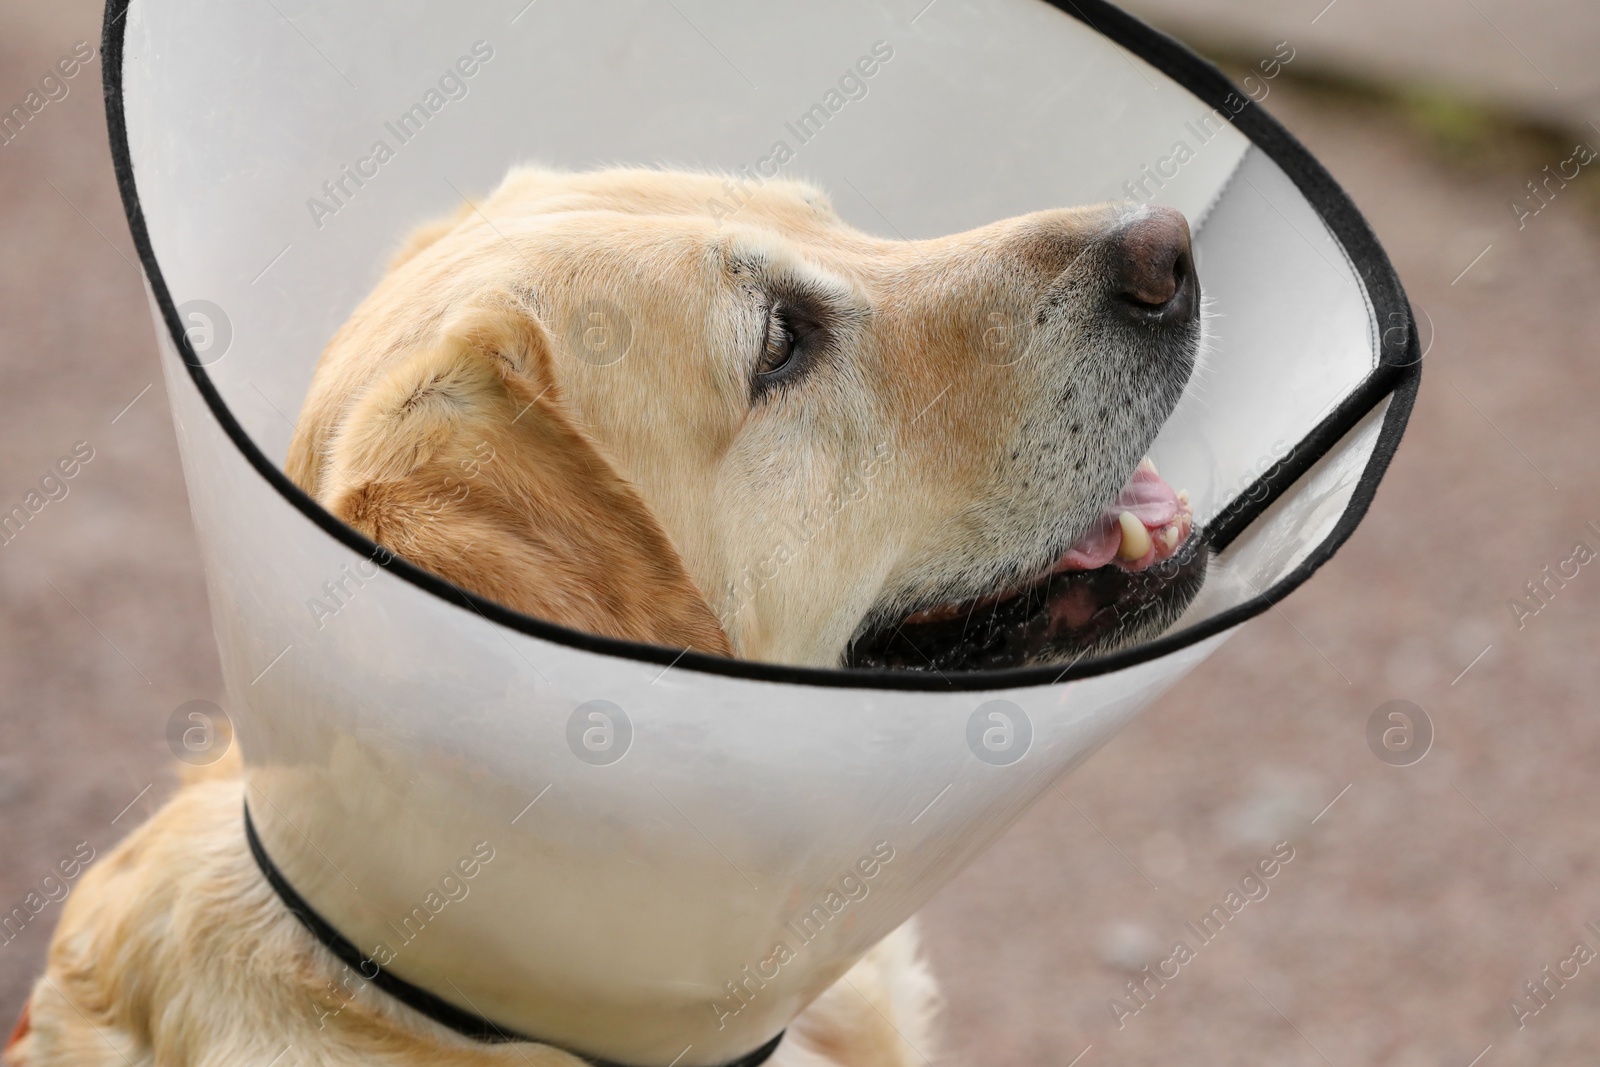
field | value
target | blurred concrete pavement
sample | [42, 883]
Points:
[1536, 58]
[1419, 901]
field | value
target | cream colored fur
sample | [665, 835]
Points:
[964, 414]
[174, 952]
[458, 420]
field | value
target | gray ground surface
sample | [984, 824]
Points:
[1536, 57]
[1415, 906]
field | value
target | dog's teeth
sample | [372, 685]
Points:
[1135, 538]
[1169, 537]
[1183, 497]
[1148, 466]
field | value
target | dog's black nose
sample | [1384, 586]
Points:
[1154, 279]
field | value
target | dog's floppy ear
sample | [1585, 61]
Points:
[462, 458]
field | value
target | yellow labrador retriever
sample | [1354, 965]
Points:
[602, 400]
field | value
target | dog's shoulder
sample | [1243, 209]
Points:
[174, 949]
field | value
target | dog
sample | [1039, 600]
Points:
[765, 434]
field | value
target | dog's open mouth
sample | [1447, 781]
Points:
[1126, 579]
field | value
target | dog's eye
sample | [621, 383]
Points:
[796, 336]
[778, 352]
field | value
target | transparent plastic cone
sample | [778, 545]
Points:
[646, 862]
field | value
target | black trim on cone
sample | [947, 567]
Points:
[1398, 373]
[441, 1011]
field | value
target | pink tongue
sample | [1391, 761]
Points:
[1151, 500]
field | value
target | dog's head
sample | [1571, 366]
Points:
[685, 410]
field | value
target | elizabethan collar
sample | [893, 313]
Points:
[646, 856]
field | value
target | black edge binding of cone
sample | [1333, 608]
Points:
[1397, 375]
[466, 1023]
